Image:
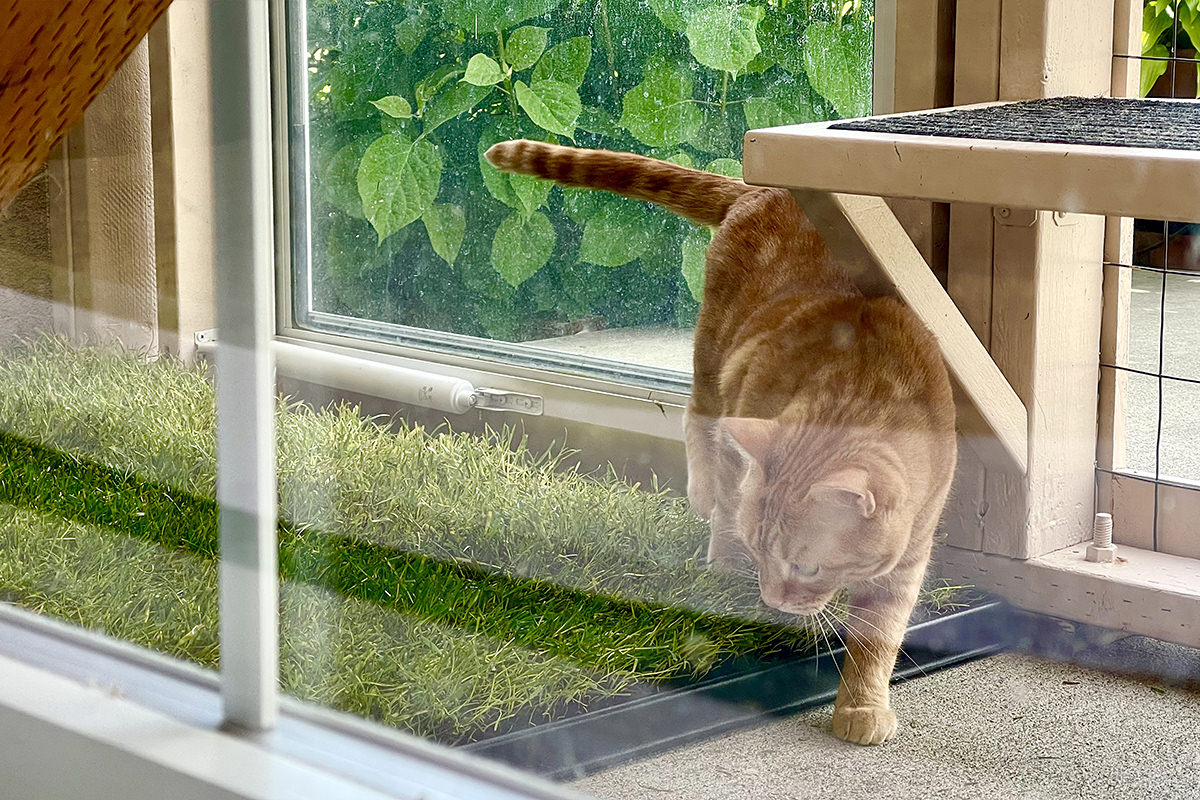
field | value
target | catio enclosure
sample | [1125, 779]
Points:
[313, 422]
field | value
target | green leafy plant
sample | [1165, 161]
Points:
[411, 225]
[1162, 38]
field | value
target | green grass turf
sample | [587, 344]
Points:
[443, 583]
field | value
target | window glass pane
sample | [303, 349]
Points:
[1180, 431]
[1141, 423]
[1145, 316]
[107, 471]
[411, 227]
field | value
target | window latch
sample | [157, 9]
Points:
[498, 400]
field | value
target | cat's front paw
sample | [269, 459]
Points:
[864, 724]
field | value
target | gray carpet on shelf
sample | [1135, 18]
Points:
[1117, 122]
[1120, 722]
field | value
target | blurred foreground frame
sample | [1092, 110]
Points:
[55, 58]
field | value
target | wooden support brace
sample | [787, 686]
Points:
[877, 254]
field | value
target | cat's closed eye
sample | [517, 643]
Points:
[802, 571]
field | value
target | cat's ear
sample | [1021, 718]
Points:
[755, 436]
[850, 486]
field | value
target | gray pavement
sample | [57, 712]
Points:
[1009, 727]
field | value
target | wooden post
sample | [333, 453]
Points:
[111, 212]
[1041, 318]
[969, 257]
[183, 183]
[1118, 249]
[919, 75]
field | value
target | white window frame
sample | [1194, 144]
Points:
[82, 713]
[574, 389]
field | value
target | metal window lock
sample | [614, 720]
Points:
[498, 400]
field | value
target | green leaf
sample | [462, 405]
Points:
[718, 133]
[525, 46]
[520, 192]
[340, 178]
[617, 234]
[411, 32]
[522, 246]
[482, 70]
[459, 99]
[495, 180]
[398, 180]
[779, 33]
[682, 159]
[837, 59]
[531, 193]
[672, 13]
[394, 106]
[729, 167]
[598, 121]
[446, 225]
[431, 84]
[475, 16]
[1156, 20]
[580, 204]
[725, 37]
[659, 111]
[694, 251]
[762, 112]
[1189, 20]
[551, 105]
[567, 62]
[1152, 70]
[788, 102]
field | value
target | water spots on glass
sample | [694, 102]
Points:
[682, 79]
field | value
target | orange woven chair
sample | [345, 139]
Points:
[55, 57]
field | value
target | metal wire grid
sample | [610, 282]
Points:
[1173, 60]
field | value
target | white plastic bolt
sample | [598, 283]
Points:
[1102, 549]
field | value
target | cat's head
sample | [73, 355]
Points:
[816, 517]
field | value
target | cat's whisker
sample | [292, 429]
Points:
[828, 644]
[900, 648]
[849, 655]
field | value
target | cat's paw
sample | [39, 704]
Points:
[864, 724]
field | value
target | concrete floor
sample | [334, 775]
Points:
[1121, 722]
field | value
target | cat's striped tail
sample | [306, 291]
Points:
[702, 197]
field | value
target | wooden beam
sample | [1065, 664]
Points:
[969, 256]
[1075, 178]
[874, 250]
[1149, 593]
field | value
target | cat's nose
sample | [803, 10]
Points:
[789, 603]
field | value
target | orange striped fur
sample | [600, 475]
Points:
[820, 431]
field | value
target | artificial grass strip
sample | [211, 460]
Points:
[434, 681]
[446, 584]
[606, 634]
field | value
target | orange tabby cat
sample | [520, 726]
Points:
[820, 431]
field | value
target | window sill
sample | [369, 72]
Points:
[651, 346]
[85, 716]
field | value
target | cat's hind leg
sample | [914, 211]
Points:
[703, 457]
